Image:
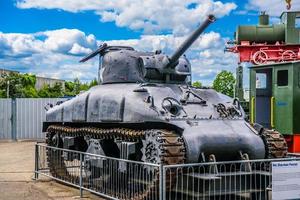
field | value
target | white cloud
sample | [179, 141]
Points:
[18, 45]
[168, 43]
[56, 53]
[63, 41]
[69, 40]
[272, 7]
[176, 16]
[51, 53]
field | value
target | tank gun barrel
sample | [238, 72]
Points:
[190, 40]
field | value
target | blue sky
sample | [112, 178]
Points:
[35, 20]
[48, 37]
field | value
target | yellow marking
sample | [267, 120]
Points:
[272, 111]
[252, 110]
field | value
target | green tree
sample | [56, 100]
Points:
[11, 84]
[224, 83]
[28, 82]
[69, 88]
[93, 83]
[23, 86]
[57, 90]
[73, 88]
[18, 85]
[29, 92]
[83, 87]
[28, 79]
[44, 91]
[48, 91]
[77, 84]
[2, 93]
[197, 84]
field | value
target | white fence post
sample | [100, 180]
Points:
[80, 176]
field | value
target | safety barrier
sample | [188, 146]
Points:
[106, 176]
[115, 178]
[220, 180]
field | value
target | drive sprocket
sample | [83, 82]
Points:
[275, 144]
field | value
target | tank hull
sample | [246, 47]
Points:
[140, 107]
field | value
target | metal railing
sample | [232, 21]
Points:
[115, 178]
[246, 179]
[109, 177]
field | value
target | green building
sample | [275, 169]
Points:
[275, 99]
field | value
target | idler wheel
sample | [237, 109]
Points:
[56, 141]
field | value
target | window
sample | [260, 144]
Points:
[282, 78]
[283, 18]
[297, 22]
[261, 81]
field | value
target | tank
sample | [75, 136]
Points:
[145, 109]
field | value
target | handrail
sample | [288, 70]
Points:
[272, 112]
[252, 110]
[97, 155]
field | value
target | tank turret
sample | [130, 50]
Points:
[167, 65]
[124, 64]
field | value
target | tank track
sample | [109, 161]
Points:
[276, 146]
[171, 147]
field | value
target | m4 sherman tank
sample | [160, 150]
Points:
[146, 110]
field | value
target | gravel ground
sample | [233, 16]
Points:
[16, 172]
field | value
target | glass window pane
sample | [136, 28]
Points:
[261, 81]
[297, 22]
[283, 18]
[282, 78]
